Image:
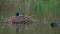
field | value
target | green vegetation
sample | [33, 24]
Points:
[38, 9]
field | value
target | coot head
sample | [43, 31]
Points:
[17, 14]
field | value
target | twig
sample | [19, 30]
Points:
[3, 22]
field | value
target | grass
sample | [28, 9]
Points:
[40, 9]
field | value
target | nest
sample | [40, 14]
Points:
[18, 20]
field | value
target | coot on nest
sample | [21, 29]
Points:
[19, 14]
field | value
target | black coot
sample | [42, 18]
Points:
[53, 25]
[19, 14]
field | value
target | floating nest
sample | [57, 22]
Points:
[18, 20]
